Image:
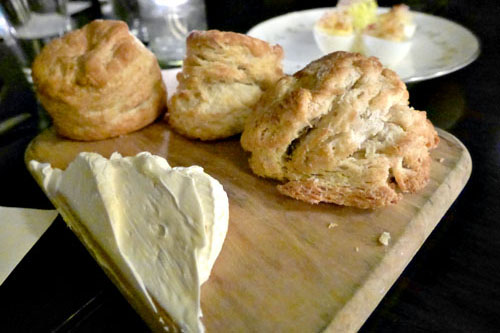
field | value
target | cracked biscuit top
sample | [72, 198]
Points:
[223, 76]
[99, 81]
[341, 131]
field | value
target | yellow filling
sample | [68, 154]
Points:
[392, 25]
[363, 13]
[336, 23]
[349, 18]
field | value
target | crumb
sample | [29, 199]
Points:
[356, 249]
[441, 160]
[384, 238]
[332, 225]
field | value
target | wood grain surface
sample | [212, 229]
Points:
[288, 266]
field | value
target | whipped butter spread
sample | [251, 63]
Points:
[162, 227]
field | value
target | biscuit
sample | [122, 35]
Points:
[341, 131]
[99, 82]
[223, 76]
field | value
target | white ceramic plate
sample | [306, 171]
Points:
[439, 46]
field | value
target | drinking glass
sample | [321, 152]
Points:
[162, 25]
[33, 23]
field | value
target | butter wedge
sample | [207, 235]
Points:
[154, 229]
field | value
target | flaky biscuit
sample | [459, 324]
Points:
[341, 131]
[99, 82]
[223, 76]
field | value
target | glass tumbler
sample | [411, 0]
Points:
[162, 25]
[33, 23]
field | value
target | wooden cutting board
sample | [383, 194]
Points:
[288, 266]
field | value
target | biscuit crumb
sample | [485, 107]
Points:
[356, 249]
[441, 160]
[332, 225]
[384, 238]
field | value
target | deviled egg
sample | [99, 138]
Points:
[389, 37]
[339, 29]
[335, 32]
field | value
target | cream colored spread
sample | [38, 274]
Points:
[163, 227]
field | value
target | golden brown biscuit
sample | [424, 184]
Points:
[341, 131]
[99, 82]
[223, 76]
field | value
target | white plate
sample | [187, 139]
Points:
[439, 46]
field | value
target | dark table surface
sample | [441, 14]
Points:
[451, 285]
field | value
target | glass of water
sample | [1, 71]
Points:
[163, 25]
[33, 23]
